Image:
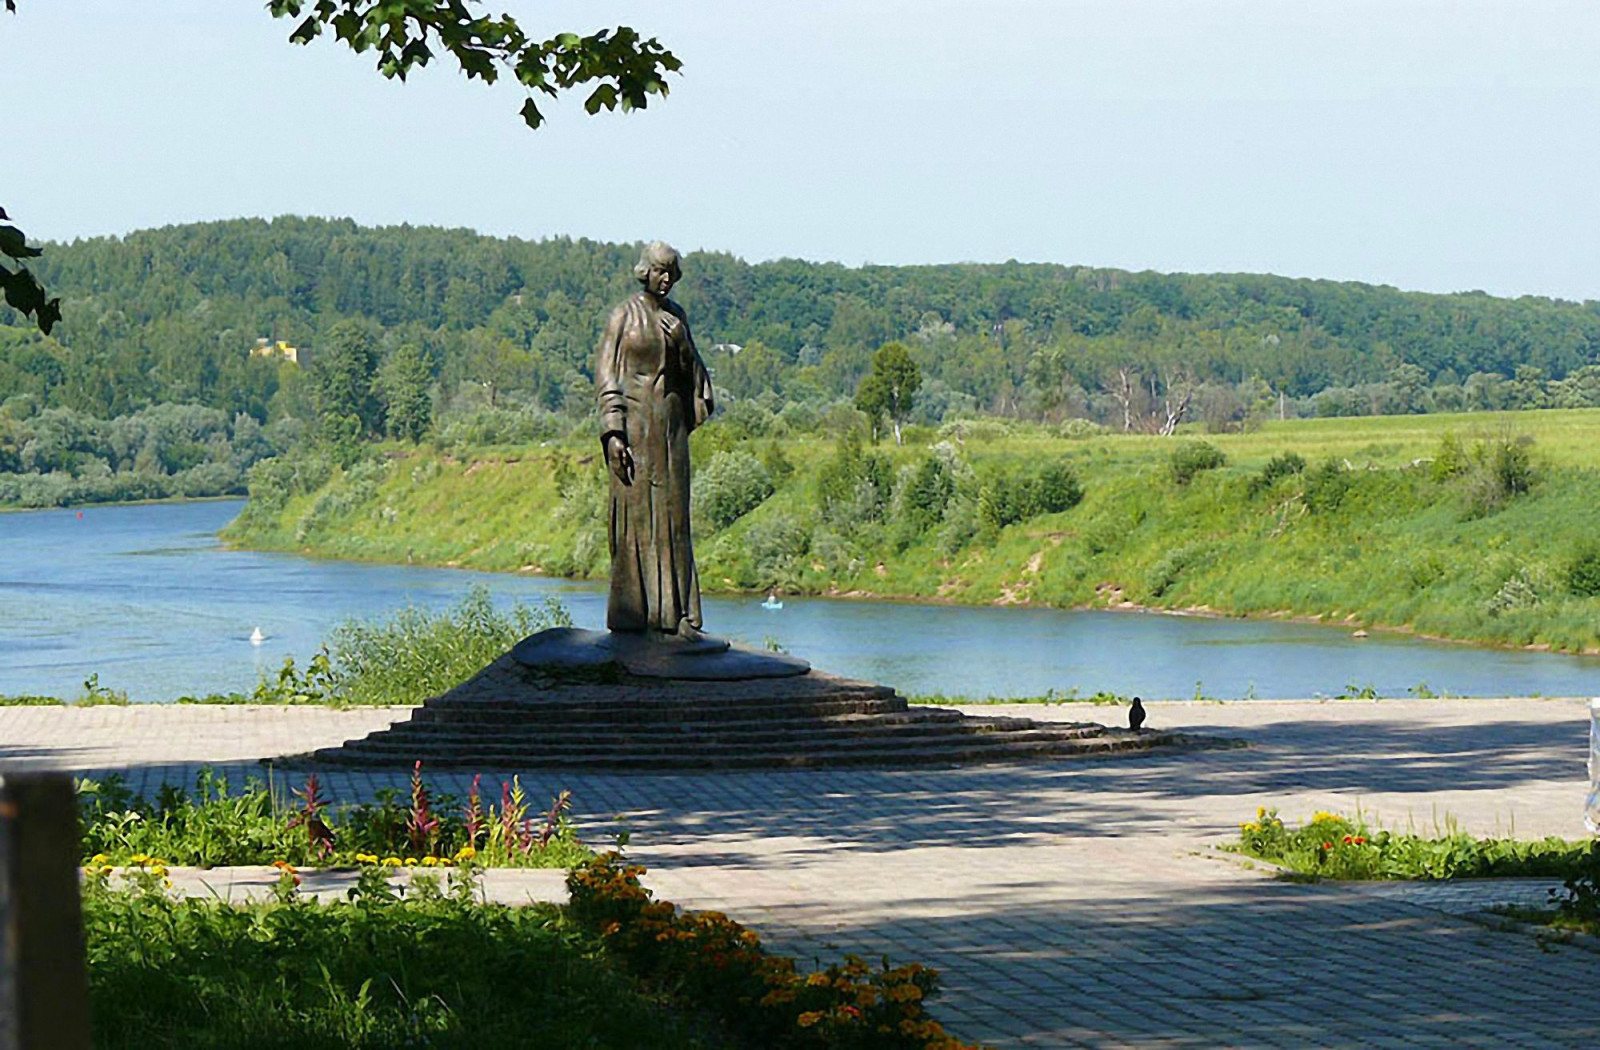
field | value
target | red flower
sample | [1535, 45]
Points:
[1327, 845]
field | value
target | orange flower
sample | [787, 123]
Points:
[809, 1018]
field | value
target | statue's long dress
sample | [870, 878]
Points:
[653, 390]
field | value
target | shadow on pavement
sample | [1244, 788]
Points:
[1264, 964]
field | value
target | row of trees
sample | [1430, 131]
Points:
[167, 316]
[58, 455]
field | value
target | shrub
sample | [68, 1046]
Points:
[924, 494]
[853, 485]
[1012, 494]
[1283, 465]
[1056, 488]
[415, 654]
[1450, 459]
[524, 425]
[1076, 429]
[764, 999]
[1502, 469]
[1165, 572]
[731, 486]
[962, 523]
[1326, 487]
[982, 429]
[1192, 457]
[1583, 571]
[776, 462]
[1517, 592]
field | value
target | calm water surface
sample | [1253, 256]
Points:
[146, 597]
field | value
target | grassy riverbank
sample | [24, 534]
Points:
[1472, 527]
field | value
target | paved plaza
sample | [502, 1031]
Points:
[1068, 903]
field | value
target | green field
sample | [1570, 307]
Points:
[1385, 526]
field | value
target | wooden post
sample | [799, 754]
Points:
[44, 985]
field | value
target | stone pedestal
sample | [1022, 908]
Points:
[582, 700]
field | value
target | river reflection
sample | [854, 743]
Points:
[147, 599]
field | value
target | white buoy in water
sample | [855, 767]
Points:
[256, 637]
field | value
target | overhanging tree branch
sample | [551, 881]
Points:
[22, 290]
[625, 69]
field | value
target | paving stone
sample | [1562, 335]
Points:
[1068, 904]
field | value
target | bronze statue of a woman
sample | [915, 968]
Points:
[653, 390]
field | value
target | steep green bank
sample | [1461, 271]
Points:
[1457, 527]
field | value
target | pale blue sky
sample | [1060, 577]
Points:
[1432, 145]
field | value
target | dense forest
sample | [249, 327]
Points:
[409, 330]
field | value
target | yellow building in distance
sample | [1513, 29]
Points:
[279, 349]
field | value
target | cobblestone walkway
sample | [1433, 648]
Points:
[1069, 904]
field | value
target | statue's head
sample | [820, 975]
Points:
[659, 267]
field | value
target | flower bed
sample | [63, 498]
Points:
[1337, 847]
[764, 999]
[213, 825]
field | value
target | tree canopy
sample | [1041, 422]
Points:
[171, 315]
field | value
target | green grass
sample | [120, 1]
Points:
[1332, 846]
[373, 972]
[1395, 546]
[1052, 697]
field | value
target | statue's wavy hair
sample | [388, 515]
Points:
[658, 253]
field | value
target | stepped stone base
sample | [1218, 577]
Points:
[512, 715]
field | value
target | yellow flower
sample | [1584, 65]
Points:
[366, 858]
[466, 853]
[1323, 815]
[818, 980]
[138, 858]
[809, 1018]
[430, 862]
[391, 862]
[98, 859]
[411, 862]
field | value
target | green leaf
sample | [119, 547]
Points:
[15, 244]
[306, 31]
[604, 95]
[531, 115]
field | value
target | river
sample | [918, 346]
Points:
[145, 597]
